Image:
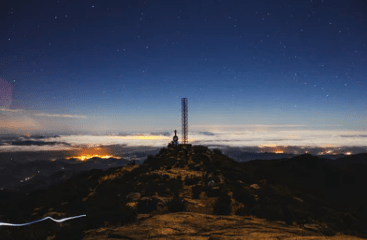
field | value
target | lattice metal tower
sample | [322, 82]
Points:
[185, 124]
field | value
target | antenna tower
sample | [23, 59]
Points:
[185, 124]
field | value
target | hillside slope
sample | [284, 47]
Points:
[205, 186]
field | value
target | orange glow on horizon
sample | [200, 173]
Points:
[86, 154]
[330, 152]
[279, 151]
[86, 157]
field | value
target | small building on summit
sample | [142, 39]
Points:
[175, 139]
[174, 143]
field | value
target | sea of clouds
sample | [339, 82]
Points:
[245, 136]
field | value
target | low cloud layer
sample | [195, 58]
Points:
[259, 137]
[279, 136]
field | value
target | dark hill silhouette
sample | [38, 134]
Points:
[45, 173]
[311, 176]
[241, 156]
[301, 197]
[345, 161]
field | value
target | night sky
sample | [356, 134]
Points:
[110, 66]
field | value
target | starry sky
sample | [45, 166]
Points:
[113, 66]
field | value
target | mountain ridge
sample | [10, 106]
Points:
[193, 180]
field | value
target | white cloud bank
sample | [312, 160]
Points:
[239, 137]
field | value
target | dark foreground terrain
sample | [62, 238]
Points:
[195, 193]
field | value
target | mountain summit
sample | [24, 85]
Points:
[186, 192]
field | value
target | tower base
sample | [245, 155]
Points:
[185, 146]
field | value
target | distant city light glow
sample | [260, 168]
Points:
[87, 153]
[89, 156]
[279, 151]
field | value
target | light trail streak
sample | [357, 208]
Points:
[40, 220]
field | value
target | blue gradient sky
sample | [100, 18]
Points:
[111, 66]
